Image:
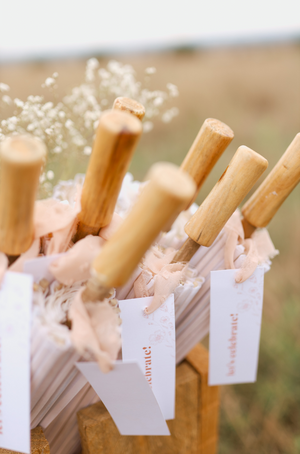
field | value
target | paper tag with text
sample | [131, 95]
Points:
[15, 317]
[150, 340]
[128, 398]
[235, 322]
[39, 267]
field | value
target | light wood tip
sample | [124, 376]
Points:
[212, 140]
[268, 198]
[120, 122]
[247, 155]
[116, 139]
[219, 128]
[172, 180]
[23, 150]
[131, 106]
[166, 192]
[21, 160]
[239, 177]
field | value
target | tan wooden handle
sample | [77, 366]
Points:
[117, 136]
[211, 141]
[267, 199]
[167, 191]
[241, 174]
[21, 160]
[131, 106]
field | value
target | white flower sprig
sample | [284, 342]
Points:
[67, 127]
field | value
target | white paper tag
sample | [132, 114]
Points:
[150, 340]
[39, 267]
[15, 315]
[235, 321]
[128, 398]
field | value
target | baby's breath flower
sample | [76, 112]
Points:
[87, 151]
[170, 114]
[103, 73]
[173, 90]
[47, 106]
[42, 178]
[69, 124]
[49, 82]
[13, 120]
[114, 66]
[18, 102]
[147, 126]
[78, 140]
[91, 65]
[158, 101]
[50, 174]
[6, 99]
[151, 70]
[68, 127]
[4, 87]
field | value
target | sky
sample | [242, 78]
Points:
[43, 28]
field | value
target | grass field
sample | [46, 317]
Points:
[256, 91]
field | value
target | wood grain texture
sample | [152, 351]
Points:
[184, 428]
[241, 174]
[186, 252]
[268, 198]
[116, 139]
[39, 444]
[193, 431]
[131, 106]
[209, 404]
[248, 228]
[210, 143]
[21, 160]
[100, 435]
[167, 191]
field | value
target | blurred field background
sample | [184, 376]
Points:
[256, 91]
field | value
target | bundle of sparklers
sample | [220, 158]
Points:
[105, 238]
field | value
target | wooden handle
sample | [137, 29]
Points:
[241, 174]
[211, 141]
[186, 252]
[21, 160]
[117, 136]
[267, 199]
[131, 106]
[167, 191]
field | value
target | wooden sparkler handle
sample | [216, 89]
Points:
[241, 174]
[21, 160]
[167, 191]
[211, 141]
[264, 203]
[116, 138]
[131, 106]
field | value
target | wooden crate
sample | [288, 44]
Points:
[193, 431]
[39, 444]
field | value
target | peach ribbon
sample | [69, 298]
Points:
[95, 327]
[259, 249]
[95, 331]
[166, 277]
